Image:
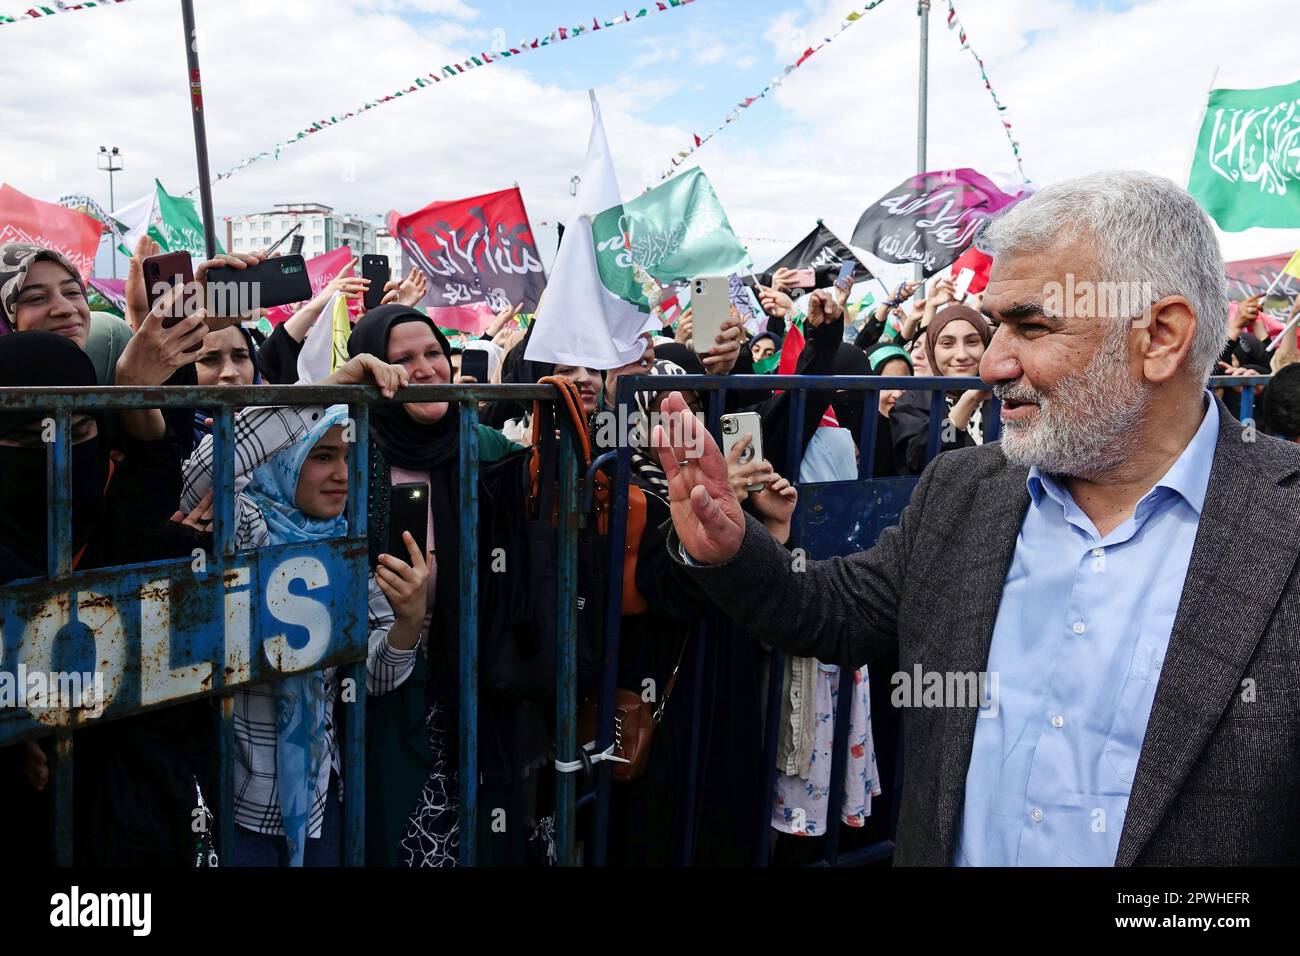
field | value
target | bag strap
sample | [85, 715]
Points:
[672, 682]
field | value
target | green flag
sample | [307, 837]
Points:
[674, 231]
[171, 221]
[1246, 171]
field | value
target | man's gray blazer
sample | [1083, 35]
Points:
[1218, 778]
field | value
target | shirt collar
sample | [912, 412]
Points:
[1188, 476]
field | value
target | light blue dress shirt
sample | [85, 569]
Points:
[1077, 648]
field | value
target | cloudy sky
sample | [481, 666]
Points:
[1089, 84]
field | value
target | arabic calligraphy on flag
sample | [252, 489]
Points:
[477, 251]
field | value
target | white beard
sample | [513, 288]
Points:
[1088, 424]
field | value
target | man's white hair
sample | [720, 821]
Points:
[1144, 228]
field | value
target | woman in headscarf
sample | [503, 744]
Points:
[291, 481]
[889, 360]
[515, 419]
[412, 816]
[954, 343]
[134, 799]
[229, 356]
[40, 289]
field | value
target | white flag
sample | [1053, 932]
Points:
[579, 320]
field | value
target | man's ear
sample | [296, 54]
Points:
[1168, 329]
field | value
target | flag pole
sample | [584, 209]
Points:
[922, 97]
[200, 132]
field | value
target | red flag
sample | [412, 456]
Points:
[791, 346]
[698, 141]
[806, 53]
[24, 219]
[321, 270]
[479, 250]
[972, 258]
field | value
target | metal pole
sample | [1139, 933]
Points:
[112, 246]
[200, 133]
[922, 96]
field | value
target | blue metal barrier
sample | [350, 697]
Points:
[133, 624]
[836, 518]
[137, 621]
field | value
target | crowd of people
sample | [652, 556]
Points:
[142, 489]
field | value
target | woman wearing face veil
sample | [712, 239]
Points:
[136, 779]
[411, 732]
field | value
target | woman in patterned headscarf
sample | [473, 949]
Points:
[41, 289]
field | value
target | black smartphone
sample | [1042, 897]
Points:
[374, 268]
[233, 293]
[408, 510]
[474, 363]
[296, 244]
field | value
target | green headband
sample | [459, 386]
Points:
[882, 355]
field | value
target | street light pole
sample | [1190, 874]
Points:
[111, 162]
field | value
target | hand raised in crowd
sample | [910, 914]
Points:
[783, 279]
[775, 504]
[706, 514]
[351, 285]
[408, 291]
[741, 475]
[500, 326]
[1244, 318]
[234, 260]
[685, 328]
[365, 368]
[163, 343]
[823, 306]
[943, 292]
[721, 358]
[137, 292]
[775, 302]
[406, 587]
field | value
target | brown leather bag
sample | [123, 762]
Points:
[634, 726]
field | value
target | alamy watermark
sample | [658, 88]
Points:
[1085, 299]
[55, 690]
[963, 689]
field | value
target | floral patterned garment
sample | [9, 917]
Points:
[800, 806]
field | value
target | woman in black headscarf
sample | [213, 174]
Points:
[887, 359]
[410, 739]
[135, 778]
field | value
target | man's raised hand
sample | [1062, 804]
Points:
[705, 511]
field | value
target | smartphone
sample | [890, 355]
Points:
[737, 426]
[962, 285]
[804, 279]
[296, 244]
[846, 270]
[237, 292]
[408, 510]
[161, 272]
[374, 268]
[710, 305]
[474, 363]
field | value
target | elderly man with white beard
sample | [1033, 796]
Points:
[1148, 668]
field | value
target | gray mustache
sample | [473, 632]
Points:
[1017, 392]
